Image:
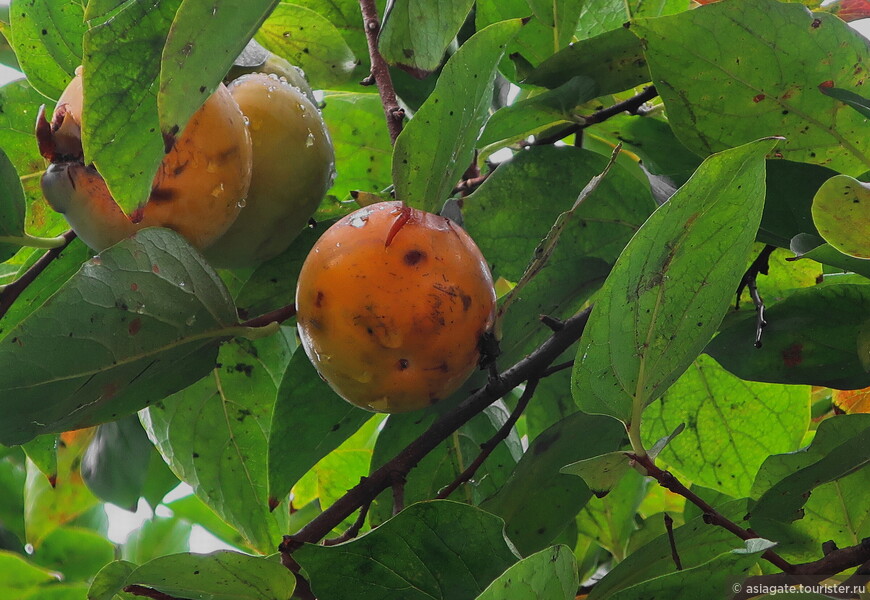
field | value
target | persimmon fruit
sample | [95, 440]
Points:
[392, 303]
[198, 191]
[293, 167]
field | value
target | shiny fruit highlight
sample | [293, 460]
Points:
[391, 306]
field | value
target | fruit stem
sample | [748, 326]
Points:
[34, 241]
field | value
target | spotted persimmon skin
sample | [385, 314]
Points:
[197, 189]
[391, 305]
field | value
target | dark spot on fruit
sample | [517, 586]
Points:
[159, 195]
[318, 301]
[466, 301]
[135, 326]
[403, 364]
[412, 257]
[792, 356]
[169, 139]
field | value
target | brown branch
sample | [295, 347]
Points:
[279, 314]
[491, 444]
[380, 71]
[146, 592]
[711, 516]
[761, 264]
[381, 479]
[632, 106]
[398, 487]
[466, 186]
[353, 530]
[13, 290]
[815, 572]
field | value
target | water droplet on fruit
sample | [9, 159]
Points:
[359, 221]
[243, 203]
[247, 121]
[364, 377]
[218, 190]
[211, 166]
[309, 141]
[273, 76]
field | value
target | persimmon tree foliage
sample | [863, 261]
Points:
[672, 400]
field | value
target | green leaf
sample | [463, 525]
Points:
[509, 203]
[310, 42]
[810, 246]
[442, 550]
[136, 323]
[58, 272]
[653, 141]
[859, 103]
[221, 575]
[732, 425]
[533, 44]
[362, 143]
[11, 209]
[841, 447]
[214, 435]
[713, 575]
[697, 542]
[530, 116]
[790, 190]
[157, 537]
[444, 464]
[610, 520]
[309, 422]
[77, 553]
[204, 40]
[20, 576]
[841, 211]
[48, 42]
[116, 462]
[561, 15]
[437, 145]
[601, 473]
[12, 482]
[810, 337]
[416, 33]
[42, 450]
[671, 287]
[613, 60]
[550, 574]
[196, 512]
[120, 125]
[714, 74]
[536, 482]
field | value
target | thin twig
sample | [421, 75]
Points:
[817, 571]
[398, 493]
[711, 516]
[466, 186]
[632, 106]
[278, 315]
[760, 265]
[491, 444]
[351, 531]
[556, 368]
[13, 290]
[528, 368]
[380, 71]
[146, 592]
[669, 526]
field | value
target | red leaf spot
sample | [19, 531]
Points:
[110, 390]
[759, 98]
[777, 154]
[52, 480]
[134, 287]
[273, 503]
[793, 355]
[816, 23]
[155, 269]
[826, 84]
[135, 326]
